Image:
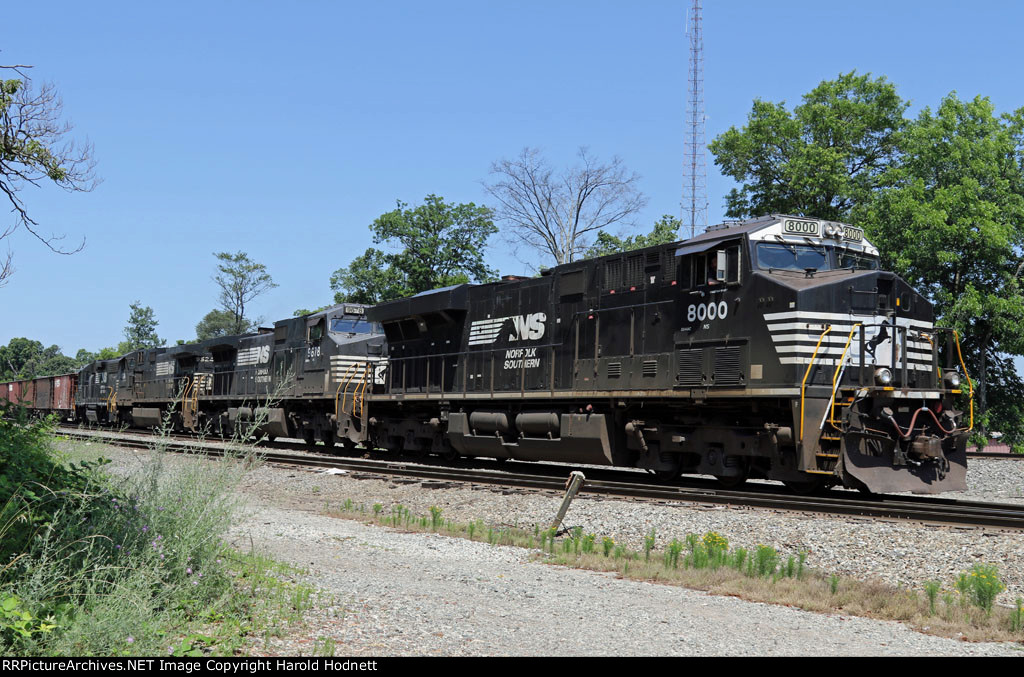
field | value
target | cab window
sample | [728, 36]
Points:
[315, 332]
[351, 325]
[784, 256]
[855, 260]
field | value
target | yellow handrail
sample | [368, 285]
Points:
[970, 386]
[835, 376]
[111, 399]
[362, 391]
[197, 383]
[803, 384]
[186, 386]
[345, 380]
[926, 337]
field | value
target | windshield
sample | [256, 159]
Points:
[800, 257]
[855, 260]
[791, 257]
[348, 325]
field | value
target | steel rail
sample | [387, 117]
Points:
[927, 510]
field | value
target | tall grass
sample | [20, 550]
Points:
[127, 565]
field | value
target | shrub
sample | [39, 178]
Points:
[121, 558]
[931, 589]
[766, 560]
[984, 585]
[34, 482]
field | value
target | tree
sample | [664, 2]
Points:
[24, 358]
[439, 244]
[16, 356]
[952, 224]
[557, 216]
[372, 277]
[299, 312]
[666, 230]
[140, 331]
[218, 323]
[33, 151]
[826, 156]
[240, 280]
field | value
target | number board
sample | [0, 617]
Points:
[800, 227]
[851, 233]
[355, 310]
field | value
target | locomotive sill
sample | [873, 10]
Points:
[674, 394]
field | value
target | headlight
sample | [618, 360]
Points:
[883, 376]
[952, 379]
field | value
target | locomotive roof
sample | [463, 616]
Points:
[456, 297]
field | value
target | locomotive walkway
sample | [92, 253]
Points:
[551, 478]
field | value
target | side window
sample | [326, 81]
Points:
[316, 332]
[684, 272]
[713, 259]
[732, 264]
[700, 270]
[723, 266]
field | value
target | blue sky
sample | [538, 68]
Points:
[284, 129]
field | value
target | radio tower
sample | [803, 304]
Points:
[695, 175]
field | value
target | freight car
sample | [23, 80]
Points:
[44, 395]
[772, 348]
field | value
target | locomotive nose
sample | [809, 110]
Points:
[877, 292]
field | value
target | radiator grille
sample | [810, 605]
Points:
[689, 372]
[614, 369]
[727, 366]
[613, 274]
[634, 271]
[650, 368]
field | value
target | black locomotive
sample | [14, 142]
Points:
[771, 348]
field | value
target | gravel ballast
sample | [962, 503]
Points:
[390, 593]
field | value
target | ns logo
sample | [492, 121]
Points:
[528, 327]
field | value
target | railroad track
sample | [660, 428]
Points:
[1002, 456]
[926, 510]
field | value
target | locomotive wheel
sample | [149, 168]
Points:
[412, 450]
[450, 455]
[309, 437]
[733, 481]
[329, 438]
[669, 474]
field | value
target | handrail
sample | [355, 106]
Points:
[346, 378]
[803, 384]
[201, 381]
[926, 337]
[970, 385]
[835, 376]
[186, 385]
[111, 400]
[362, 390]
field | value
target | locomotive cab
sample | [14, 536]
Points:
[874, 410]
